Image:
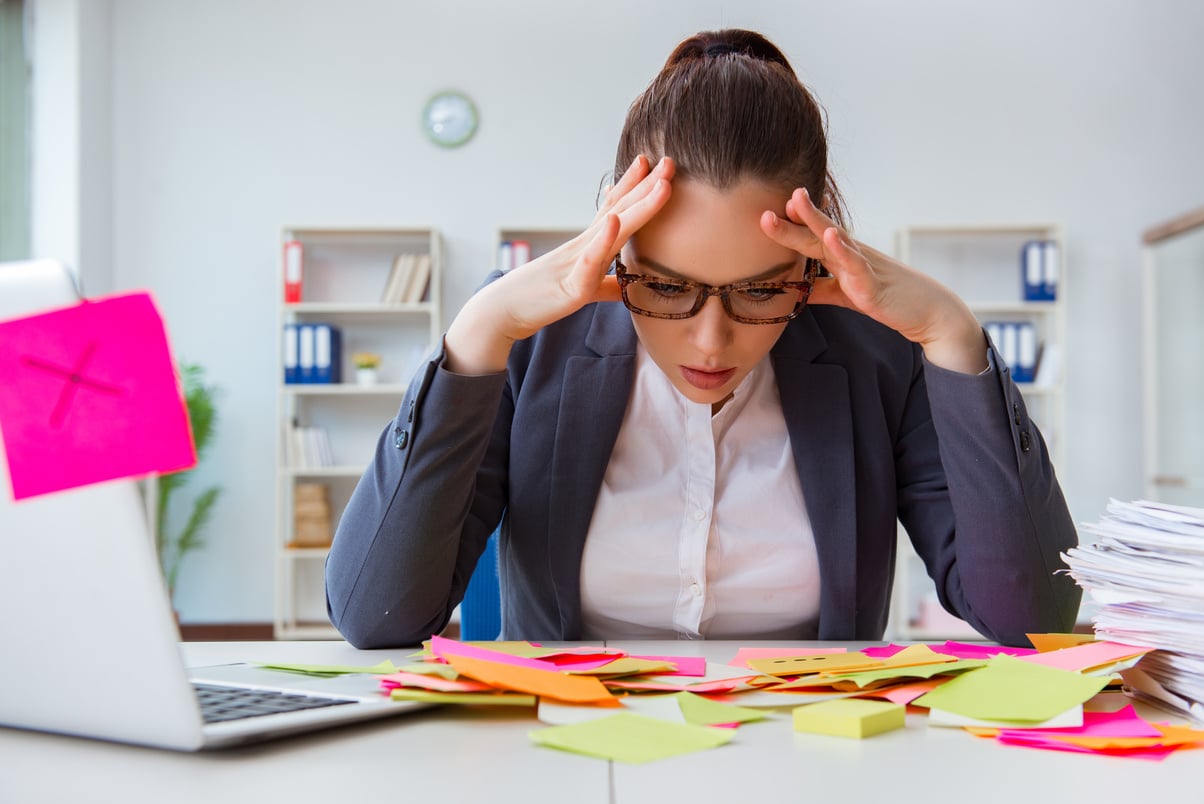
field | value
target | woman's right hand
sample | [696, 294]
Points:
[559, 283]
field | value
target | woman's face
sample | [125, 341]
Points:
[714, 237]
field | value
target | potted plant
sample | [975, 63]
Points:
[200, 400]
[366, 364]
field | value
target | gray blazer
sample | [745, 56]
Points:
[878, 436]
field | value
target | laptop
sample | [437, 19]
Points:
[90, 640]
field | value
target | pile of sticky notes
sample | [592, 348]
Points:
[604, 702]
[849, 717]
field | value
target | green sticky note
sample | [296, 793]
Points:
[488, 698]
[849, 717]
[865, 677]
[704, 712]
[383, 668]
[631, 738]
[1008, 688]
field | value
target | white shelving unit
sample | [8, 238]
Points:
[983, 264]
[1173, 274]
[345, 270]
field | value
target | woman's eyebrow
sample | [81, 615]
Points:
[765, 275]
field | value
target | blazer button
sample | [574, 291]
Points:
[400, 437]
[1026, 443]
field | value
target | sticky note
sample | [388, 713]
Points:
[631, 738]
[1011, 689]
[849, 717]
[90, 394]
[800, 665]
[545, 683]
[486, 698]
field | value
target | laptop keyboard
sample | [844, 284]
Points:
[234, 703]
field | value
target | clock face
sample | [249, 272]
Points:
[450, 119]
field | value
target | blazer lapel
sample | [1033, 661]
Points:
[816, 403]
[593, 401]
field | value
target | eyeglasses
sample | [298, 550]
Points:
[745, 302]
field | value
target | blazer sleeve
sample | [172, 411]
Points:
[998, 566]
[410, 536]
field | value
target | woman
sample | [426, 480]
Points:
[715, 441]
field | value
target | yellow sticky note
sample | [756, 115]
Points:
[815, 663]
[849, 717]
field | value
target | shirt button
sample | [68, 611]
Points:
[699, 514]
[696, 590]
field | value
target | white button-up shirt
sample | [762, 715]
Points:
[700, 530]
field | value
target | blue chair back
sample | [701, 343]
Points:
[481, 609]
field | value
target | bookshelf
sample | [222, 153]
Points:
[985, 265]
[327, 430]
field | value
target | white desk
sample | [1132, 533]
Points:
[485, 755]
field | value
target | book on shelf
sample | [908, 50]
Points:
[408, 280]
[419, 279]
[398, 280]
[308, 447]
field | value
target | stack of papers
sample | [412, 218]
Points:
[1146, 570]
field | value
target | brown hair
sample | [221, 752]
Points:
[727, 106]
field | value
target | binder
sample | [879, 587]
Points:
[290, 353]
[1039, 270]
[305, 353]
[505, 256]
[293, 269]
[1049, 273]
[328, 354]
[521, 253]
[1025, 368]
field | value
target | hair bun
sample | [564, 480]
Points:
[713, 44]
[718, 49]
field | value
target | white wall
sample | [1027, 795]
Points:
[231, 118]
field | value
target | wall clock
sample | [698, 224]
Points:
[449, 118]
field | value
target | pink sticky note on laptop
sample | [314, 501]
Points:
[89, 393]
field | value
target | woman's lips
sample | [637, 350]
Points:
[707, 380]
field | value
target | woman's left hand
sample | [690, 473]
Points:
[912, 303]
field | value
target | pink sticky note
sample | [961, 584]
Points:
[90, 394]
[884, 651]
[745, 654]
[1121, 723]
[969, 650]
[437, 683]
[444, 647]
[1085, 656]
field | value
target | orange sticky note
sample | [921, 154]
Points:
[1047, 642]
[545, 683]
